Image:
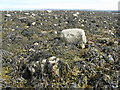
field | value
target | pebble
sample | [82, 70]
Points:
[33, 70]
[36, 43]
[33, 14]
[44, 60]
[55, 32]
[82, 25]
[116, 42]
[13, 29]
[49, 11]
[27, 13]
[52, 58]
[75, 15]
[33, 23]
[8, 15]
[110, 58]
[31, 49]
[41, 23]
[55, 24]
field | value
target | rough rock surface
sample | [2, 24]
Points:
[74, 36]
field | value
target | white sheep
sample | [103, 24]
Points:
[74, 36]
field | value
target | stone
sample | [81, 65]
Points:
[27, 74]
[52, 58]
[8, 15]
[33, 14]
[49, 11]
[33, 23]
[55, 32]
[74, 36]
[75, 15]
[55, 24]
[31, 49]
[82, 25]
[36, 43]
[27, 13]
[110, 58]
[116, 42]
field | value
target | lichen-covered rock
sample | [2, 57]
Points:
[74, 36]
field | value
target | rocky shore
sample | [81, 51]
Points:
[34, 56]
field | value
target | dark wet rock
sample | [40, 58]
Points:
[87, 46]
[11, 36]
[47, 69]
[93, 21]
[103, 41]
[38, 55]
[110, 43]
[27, 74]
[106, 49]
[63, 68]
[93, 53]
[27, 33]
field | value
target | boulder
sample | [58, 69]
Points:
[74, 36]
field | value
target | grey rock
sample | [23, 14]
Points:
[27, 74]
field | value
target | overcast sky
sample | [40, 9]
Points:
[58, 4]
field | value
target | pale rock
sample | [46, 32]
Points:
[116, 42]
[52, 58]
[33, 70]
[44, 60]
[31, 49]
[41, 23]
[8, 15]
[36, 43]
[55, 24]
[66, 22]
[55, 32]
[82, 25]
[75, 15]
[13, 29]
[33, 23]
[49, 11]
[110, 58]
[74, 36]
[26, 13]
[33, 14]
